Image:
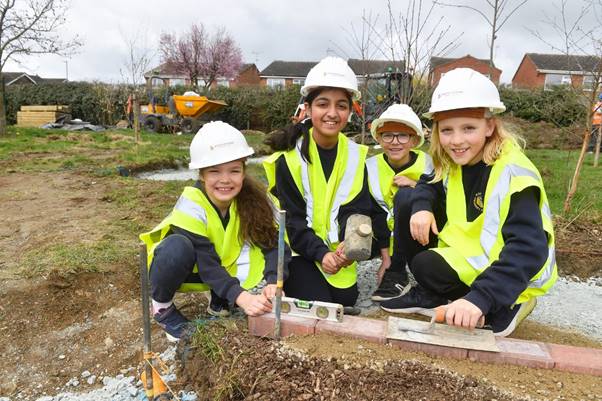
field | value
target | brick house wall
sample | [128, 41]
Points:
[526, 76]
[247, 77]
[465, 62]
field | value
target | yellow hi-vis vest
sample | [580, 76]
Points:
[382, 188]
[471, 247]
[193, 212]
[323, 198]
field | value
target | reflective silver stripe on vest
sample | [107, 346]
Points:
[546, 275]
[374, 183]
[191, 208]
[309, 200]
[491, 221]
[345, 187]
[243, 263]
[342, 193]
[429, 168]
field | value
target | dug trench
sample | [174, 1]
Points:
[56, 322]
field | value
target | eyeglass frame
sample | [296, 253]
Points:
[396, 135]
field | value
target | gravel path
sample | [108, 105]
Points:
[570, 304]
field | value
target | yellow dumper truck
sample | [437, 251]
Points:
[182, 112]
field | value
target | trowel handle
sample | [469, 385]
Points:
[439, 314]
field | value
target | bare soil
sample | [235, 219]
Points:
[55, 326]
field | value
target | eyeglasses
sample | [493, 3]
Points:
[402, 138]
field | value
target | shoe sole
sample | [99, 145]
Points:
[171, 338]
[520, 316]
[380, 298]
[420, 311]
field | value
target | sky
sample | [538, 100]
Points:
[268, 30]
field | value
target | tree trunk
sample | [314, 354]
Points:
[136, 105]
[493, 29]
[3, 131]
[597, 148]
[577, 173]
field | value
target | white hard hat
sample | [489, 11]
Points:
[464, 88]
[399, 113]
[333, 72]
[217, 143]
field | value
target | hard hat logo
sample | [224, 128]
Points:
[217, 143]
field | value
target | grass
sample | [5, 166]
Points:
[557, 168]
[73, 258]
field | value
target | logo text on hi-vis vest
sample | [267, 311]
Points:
[477, 201]
[212, 147]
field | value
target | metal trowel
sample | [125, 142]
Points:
[433, 332]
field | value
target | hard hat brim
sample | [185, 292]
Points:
[209, 163]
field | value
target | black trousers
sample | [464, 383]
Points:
[434, 273]
[404, 246]
[172, 266]
[306, 282]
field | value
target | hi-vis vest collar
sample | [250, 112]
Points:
[193, 212]
[380, 177]
[480, 242]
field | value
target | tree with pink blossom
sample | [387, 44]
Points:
[200, 56]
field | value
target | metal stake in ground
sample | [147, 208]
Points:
[280, 272]
[146, 322]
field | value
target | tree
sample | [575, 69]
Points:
[499, 13]
[201, 56]
[28, 28]
[135, 64]
[582, 47]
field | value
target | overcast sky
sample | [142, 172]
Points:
[268, 30]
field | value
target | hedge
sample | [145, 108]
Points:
[265, 108]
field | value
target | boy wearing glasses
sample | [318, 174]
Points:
[392, 175]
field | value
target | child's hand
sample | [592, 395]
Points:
[330, 263]
[421, 224]
[269, 291]
[254, 305]
[402, 181]
[342, 260]
[463, 313]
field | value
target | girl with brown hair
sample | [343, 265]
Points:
[221, 235]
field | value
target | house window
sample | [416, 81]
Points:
[556, 79]
[589, 82]
[276, 82]
[156, 82]
[223, 82]
[177, 81]
[298, 81]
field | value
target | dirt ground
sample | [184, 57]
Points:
[53, 327]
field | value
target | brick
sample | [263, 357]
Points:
[263, 326]
[532, 354]
[430, 349]
[576, 359]
[356, 327]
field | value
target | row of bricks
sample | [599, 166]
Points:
[515, 352]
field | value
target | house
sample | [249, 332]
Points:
[441, 65]
[23, 78]
[285, 73]
[547, 70]
[166, 75]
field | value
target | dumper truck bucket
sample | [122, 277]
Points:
[195, 106]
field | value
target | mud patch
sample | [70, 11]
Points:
[230, 364]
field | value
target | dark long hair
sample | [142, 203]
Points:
[286, 138]
[257, 224]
